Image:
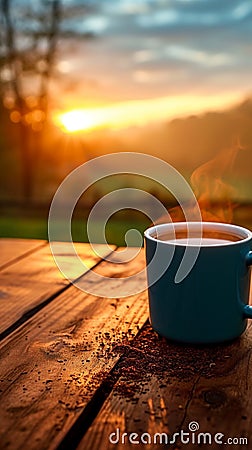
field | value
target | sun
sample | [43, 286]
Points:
[76, 120]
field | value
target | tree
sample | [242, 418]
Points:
[29, 35]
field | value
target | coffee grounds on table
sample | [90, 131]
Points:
[151, 355]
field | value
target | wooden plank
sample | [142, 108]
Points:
[222, 402]
[212, 387]
[157, 409]
[35, 279]
[13, 249]
[51, 366]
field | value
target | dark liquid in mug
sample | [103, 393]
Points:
[209, 237]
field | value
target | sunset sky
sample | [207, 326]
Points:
[155, 59]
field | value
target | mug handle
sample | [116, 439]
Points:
[247, 310]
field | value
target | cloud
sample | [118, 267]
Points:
[149, 47]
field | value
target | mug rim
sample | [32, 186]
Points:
[245, 234]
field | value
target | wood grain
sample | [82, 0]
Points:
[159, 408]
[51, 367]
[34, 279]
[222, 402]
[218, 396]
[11, 250]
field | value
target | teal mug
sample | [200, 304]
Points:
[210, 304]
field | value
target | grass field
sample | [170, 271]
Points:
[36, 228]
[21, 224]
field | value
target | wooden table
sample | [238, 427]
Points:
[75, 368]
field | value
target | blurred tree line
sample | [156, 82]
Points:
[30, 32]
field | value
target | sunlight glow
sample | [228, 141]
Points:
[140, 112]
[77, 120]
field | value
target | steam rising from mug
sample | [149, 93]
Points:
[77, 183]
